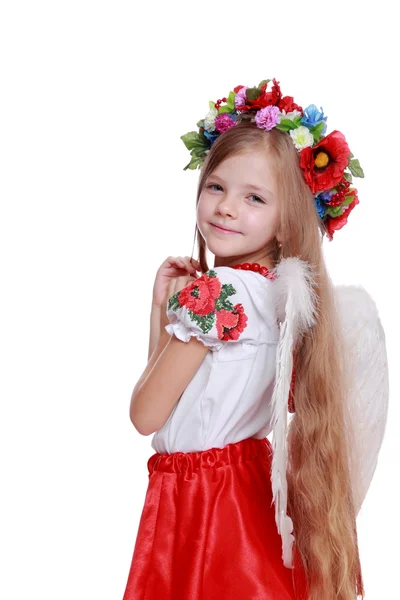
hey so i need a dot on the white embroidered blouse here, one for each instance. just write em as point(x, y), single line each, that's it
point(232, 312)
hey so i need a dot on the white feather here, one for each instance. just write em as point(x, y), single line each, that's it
point(295, 301)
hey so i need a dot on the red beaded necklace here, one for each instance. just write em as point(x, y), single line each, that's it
point(257, 268)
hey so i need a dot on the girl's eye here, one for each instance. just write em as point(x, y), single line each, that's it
point(258, 201)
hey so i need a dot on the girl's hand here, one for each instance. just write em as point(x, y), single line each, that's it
point(172, 276)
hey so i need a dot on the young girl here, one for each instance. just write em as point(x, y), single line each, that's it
point(233, 350)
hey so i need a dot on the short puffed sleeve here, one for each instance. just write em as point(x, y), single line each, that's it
point(223, 305)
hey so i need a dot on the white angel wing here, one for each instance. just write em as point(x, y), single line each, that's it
point(367, 383)
point(368, 397)
point(296, 303)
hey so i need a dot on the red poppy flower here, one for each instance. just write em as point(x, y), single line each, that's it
point(231, 323)
point(336, 223)
point(264, 99)
point(323, 164)
point(200, 296)
point(288, 105)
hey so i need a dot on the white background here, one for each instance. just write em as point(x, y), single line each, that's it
point(94, 99)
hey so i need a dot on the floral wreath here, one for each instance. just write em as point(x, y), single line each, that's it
point(326, 160)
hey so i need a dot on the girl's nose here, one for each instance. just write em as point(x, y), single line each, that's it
point(228, 207)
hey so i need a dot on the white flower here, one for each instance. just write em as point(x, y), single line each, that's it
point(301, 137)
point(290, 115)
point(209, 120)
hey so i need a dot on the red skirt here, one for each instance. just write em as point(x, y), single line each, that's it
point(208, 532)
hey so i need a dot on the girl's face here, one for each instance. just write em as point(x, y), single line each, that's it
point(240, 195)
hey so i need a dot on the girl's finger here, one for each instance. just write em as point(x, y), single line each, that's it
point(196, 264)
point(184, 262)
point(191, 264)
point(179, 262)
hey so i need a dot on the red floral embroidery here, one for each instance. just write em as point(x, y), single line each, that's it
point(207, 303)
point(201, 295)
point(230, 324)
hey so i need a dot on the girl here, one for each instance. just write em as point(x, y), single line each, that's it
point(225, 347)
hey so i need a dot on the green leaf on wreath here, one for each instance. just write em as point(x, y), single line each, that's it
point(211, 104)
point(349, 200)
point(333, 211)
point(252, 93)
point(262, 83)
point(231, 100)
point(355, 167)
point(194, 139)
point(286, 125)
point(224, 109)
point(197, 152)
point(316, 131)
point(200, 123)
point(348, 176)
point(194, 163)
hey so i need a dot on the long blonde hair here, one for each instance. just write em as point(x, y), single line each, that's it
point(320, 499)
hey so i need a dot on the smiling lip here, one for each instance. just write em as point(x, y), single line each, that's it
point(223, 230)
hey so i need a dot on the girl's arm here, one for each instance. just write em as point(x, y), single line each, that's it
point(154, 327)
point(156, 346)
point(150, 407)
point(172, 366)
point(159, 347)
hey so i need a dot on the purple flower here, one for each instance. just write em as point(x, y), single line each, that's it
point(326, 196)
point(268, 117)
point(240, 98)
point(224, 122)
